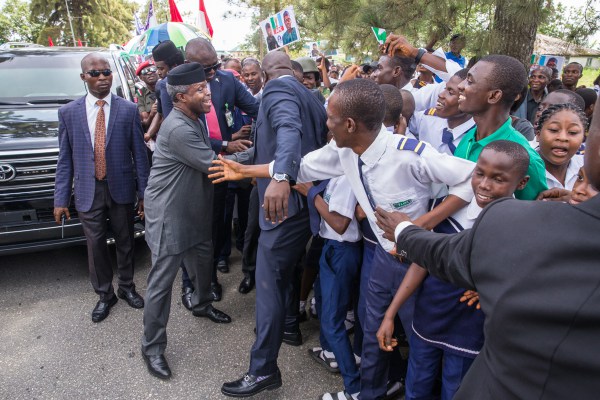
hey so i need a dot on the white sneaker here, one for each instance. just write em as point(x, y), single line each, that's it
point(340, 396)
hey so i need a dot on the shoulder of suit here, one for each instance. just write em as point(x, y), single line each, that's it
point(410, 144)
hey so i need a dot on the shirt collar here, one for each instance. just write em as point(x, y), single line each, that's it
point(473, 209)
point(375, 151)
point(91, 99)
point(500, 133)
point(462, 128)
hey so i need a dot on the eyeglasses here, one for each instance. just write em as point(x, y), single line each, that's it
point(95, 73)
point(212, 67)
point(148, 70)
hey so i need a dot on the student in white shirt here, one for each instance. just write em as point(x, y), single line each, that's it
point(560, 132)
point(384, 170)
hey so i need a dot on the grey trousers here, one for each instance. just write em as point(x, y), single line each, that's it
point(199, 264)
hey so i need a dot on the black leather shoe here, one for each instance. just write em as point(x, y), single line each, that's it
point(249, 385)
point(246, 285)
point(216, 291)
point(213, 314)
point(158, 366)
point(131, 297)
point(223, 266)
point(186, 297)
point(103, 308)
point(292, 338)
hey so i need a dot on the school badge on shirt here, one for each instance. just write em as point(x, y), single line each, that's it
point(401, 204)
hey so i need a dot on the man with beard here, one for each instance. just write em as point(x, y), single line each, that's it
point(179, 205)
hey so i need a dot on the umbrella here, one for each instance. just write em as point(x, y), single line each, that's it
point(177, 32)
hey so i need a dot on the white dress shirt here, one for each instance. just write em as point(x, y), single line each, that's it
point(398, 180)
point(429, 128)
point(91, 111)
point(571, 177)
point(339, 197)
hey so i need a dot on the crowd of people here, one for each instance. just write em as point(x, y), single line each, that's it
point(433, 206)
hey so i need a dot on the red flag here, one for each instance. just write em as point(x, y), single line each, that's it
point(50, 42)
point(203, 21)
point(79, 43)
point(175, 16)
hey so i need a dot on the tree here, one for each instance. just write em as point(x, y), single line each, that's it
point(573, 24)
point(16, 24)
point(514, 29)
point(95, 22)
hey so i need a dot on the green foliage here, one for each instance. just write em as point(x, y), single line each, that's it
point(16, 24)
point(588, 77)
point(95, 22)
point(573, 24)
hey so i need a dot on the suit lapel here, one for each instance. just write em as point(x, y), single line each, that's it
point(114, 109)
point(84, 121)
point(215, 92)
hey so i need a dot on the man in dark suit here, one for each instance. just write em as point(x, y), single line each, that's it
point(178, 202)
point(536, 268)
point(102, 147)
point(227, 92)
point(290, 124)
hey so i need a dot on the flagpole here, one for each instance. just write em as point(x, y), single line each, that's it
point(70, 23)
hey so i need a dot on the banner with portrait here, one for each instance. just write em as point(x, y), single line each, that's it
point(280, 29)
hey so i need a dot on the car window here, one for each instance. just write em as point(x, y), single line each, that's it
point(42, 76)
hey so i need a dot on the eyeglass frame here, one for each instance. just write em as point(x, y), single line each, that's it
point(95, 73)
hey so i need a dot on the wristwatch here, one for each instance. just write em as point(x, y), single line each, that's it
point(224, 145)
point(420, 54)
point(278, 177)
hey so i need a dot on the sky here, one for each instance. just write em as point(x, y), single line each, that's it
point(228, 32)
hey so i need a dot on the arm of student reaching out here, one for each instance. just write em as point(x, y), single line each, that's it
point(412, 280)
point(228, 170)
point(335, 220)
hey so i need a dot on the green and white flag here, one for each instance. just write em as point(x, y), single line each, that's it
point(380, 34)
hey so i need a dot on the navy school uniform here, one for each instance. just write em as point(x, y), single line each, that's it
point(445, 331)
point(339, 269)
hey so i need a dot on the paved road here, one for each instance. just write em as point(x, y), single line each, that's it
point(50, 349)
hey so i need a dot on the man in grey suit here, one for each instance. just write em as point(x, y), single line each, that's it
point(178, 211)
point(536, 266)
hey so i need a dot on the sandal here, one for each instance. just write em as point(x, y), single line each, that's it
point(329, 363)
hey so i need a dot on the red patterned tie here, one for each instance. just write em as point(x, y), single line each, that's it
point(100, 142)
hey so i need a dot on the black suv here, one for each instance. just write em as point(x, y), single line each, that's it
point(36, 82)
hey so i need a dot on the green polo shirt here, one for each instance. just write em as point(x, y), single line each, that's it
point(470, 148)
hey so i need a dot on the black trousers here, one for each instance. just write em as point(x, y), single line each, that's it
point(95, 227)
point(243, 195)
point(279, 250)
point(251, 235)
point(218, 224)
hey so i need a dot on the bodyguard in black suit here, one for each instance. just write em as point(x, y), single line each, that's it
point(290, 124)
point(536, 266)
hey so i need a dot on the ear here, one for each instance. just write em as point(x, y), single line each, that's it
point(495, 96)
point(181, 98)
point(397, 71)
point(82, 76)
point(523, 183)
point(350, 125)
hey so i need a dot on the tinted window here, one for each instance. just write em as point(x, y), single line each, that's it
point(42, 76)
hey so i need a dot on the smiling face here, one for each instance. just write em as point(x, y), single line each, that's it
point(384, 73)
point(538, 80)
point(560, 137)
point(309, 80)
point(98, 86)
point(494, 177)
point(197, 99)
point(447, 103)
point(475, 91)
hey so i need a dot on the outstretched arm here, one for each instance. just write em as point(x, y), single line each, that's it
point(228, 170)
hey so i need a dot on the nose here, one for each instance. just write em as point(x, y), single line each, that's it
point(484, 184)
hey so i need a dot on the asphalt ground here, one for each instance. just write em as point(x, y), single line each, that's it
point(50, 348)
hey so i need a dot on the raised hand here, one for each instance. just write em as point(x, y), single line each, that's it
point(397, 45)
